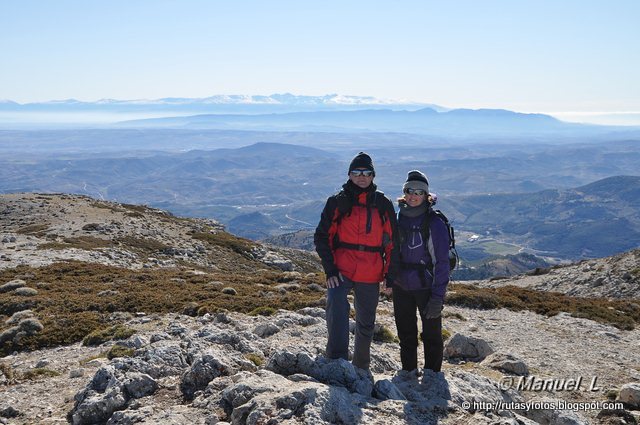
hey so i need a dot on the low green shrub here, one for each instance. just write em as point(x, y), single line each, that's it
point(383, 334)
point(226, 240)
point(255, 359)
point(38, 372)
point(100, 336)
point(119, 351)
point(623, 314)
point(263, 311)
point(445, 334)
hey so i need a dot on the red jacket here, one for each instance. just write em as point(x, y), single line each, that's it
point(355, 234)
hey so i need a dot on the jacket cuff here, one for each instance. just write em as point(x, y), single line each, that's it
point(389, 282)
point(331, 271)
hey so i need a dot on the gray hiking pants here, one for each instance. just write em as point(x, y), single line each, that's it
point(366, 302)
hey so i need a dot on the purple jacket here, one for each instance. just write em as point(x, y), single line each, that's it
point(433, 253)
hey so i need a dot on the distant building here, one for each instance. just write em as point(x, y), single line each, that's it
point(473, 238)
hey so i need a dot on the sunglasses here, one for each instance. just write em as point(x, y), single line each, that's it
point(409, 191)
point(358, 173)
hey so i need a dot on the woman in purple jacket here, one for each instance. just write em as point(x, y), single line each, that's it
point(423, 275)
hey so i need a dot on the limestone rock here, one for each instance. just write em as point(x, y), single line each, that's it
point(467, 347)
point(266, 329)
point(630, 394)
point(559, 417)
point(331, 372)
point(13, 284)
point(384, 389)
point(507, 363)
point(140, 384)
point(100, 398)
point(203, 370)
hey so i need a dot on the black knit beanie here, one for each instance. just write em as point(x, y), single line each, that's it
point(362, 160)
point(416, 180)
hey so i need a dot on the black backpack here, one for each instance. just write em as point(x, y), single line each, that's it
point(345, 203)
point(425, 230)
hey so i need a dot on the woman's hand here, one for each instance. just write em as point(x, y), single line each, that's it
point(385, 290)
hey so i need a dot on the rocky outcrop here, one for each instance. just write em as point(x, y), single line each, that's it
point(45, 228)
point(110, 390)
point(610, 277)
point(213, 363)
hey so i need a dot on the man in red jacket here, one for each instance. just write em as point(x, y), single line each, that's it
point(354, 240)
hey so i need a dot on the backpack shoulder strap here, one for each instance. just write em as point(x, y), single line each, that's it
point(425, 226)
point(381, 203)
point(344, 205)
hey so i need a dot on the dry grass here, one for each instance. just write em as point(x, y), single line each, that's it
point(226, 240)
point(70, 309)
point(37, 373)
point(119, 351)
point(100, 336)
point(255, 359)
point(263, 311)
point(623, 314)
point(82, 242)
point(142, 244)
point(383, 334)
point(34, 229)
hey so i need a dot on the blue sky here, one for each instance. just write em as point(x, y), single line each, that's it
point(562, 56)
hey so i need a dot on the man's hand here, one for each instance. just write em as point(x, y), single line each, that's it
point(334, 281)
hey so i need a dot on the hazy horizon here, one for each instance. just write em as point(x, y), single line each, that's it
point(573, 60)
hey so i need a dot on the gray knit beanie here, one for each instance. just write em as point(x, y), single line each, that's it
point(416, 180)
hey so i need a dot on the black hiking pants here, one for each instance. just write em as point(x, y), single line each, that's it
point(405, 304)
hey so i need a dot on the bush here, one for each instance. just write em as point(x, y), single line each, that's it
point(18, 316)
point(34, 229)
point(191, 309)
point(82, 242)
point(119, 351)
point(611, 395)
point(458, 316)
point(102, 355)
point(69, 309)
point(255, 359)
point(39, 372)
point(623, 314)
point(26, 292)
point(226, 240)
point(14, 284)
point(263, 311)
point(445, 334)
point(100, 336)
point(383, 334)
point(7, 371)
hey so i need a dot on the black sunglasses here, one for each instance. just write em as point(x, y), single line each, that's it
point(358, 173)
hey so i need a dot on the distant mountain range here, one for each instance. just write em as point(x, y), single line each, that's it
point(220, 104)
point(454, 123)
point(533, 196)
point(288, 112)
point(598, 219)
